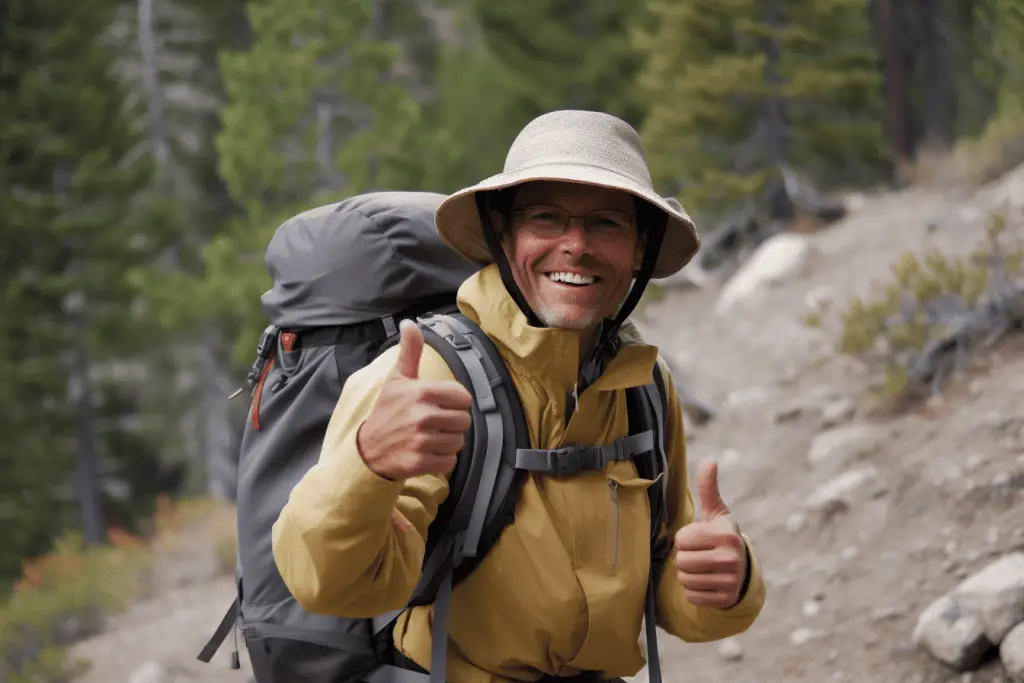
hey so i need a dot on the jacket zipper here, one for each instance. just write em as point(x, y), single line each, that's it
point(613, 527)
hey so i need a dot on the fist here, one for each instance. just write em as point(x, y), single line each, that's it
point(416, 427)
point(711, 556)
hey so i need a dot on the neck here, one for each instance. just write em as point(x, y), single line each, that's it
point(588, 342)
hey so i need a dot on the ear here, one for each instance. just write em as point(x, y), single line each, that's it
point(638, 254)
point(501, 226)
point(498, 223)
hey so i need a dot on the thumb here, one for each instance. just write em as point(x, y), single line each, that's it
point(410, 348)
point(711, 504)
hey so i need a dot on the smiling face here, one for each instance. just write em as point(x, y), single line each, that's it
point(574, 277)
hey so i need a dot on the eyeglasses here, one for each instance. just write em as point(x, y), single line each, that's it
point(552, 221)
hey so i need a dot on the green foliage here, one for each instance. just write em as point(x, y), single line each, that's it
point(558, 54)
point(732, 94)
point(932, 306)
point(77, 216)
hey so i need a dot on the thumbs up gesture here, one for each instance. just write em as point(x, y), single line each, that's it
point(711, 556)
point(416, 426)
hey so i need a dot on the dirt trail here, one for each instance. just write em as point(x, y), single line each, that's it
point(844, 592)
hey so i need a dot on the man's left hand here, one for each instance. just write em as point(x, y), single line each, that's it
point(711, 556)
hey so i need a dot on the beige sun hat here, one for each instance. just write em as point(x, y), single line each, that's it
point(585, 147)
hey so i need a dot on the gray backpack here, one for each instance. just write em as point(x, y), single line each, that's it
point(344, 275)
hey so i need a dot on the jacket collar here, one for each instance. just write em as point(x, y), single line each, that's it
point(547, 355)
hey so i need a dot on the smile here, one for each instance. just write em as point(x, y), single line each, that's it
point(572, 279)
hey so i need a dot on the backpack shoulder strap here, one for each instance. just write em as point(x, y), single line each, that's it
point(484, 486)
point(648, 407)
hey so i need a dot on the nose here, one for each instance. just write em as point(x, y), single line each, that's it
point(574, 238)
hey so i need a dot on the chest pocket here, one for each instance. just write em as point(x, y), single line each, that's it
point(629, 514)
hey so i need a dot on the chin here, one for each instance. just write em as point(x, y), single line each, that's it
point(568, 320)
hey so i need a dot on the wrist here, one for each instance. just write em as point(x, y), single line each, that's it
point(361, 450)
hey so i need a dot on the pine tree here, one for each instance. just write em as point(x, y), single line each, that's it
point(559, 54)
point(75, 222)
point(736, 88)
point(315, 112)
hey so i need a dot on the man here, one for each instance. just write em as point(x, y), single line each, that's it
point(566, 230)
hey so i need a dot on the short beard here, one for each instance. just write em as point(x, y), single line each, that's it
point(553, 319)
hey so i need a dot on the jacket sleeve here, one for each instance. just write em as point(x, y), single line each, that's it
point(676, 614)
point(349, 543)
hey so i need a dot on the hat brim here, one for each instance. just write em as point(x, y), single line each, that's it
point(458, 220)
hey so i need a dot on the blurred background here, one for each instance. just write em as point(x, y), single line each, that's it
point(152, 147)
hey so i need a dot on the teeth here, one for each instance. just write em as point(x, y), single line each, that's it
point(572, 278)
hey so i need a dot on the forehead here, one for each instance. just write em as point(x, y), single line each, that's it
point(573, 196)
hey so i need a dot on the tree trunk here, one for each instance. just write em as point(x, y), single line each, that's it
point(938, 110)
point(87, 478)
point(217, 444)
point(776, 130)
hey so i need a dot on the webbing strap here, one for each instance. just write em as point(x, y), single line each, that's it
point(654, 399)
point(651, 627)
point(386, 673)
point(382, 621)
point(439, 629)
point(576, 459)
point(219, 635)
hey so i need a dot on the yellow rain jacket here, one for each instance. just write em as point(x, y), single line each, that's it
point(563, 590)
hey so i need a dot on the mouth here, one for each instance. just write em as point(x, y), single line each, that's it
point(573, 280)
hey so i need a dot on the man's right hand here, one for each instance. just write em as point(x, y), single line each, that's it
point(416, 427)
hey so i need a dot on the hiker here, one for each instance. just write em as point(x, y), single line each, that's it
point(561, 235)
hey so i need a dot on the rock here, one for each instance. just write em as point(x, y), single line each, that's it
point(843, 443)
point(150, 672)
point(802, 636)
point(795, 522)
point(837, 412)
point(1011, 652)
point(834, 495)
point(730, 650)
point(951, 635)
point(996, 596)
point(748, 398)
point(811, 608)
point(820, 298)
point(886, 613)
point(775, 260)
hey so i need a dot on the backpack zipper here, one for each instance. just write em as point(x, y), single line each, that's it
point(613, 527)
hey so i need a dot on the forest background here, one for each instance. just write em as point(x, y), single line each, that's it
point(151, 147)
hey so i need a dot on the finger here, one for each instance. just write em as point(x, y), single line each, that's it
point(711, 503)
point(444, 420)
point(720, 533)
point(695, 536)
point(722, 583)
point(442, 444)
point(410, 350)
point(718, 561)
point(450, 395)
point(710, 599)
point(428, 463)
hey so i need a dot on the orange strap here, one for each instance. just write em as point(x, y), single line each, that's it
point(288, 340)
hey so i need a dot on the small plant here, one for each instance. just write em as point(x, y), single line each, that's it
point(64, 597)
point(918, 331)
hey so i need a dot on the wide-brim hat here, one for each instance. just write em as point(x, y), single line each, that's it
point(586, 147)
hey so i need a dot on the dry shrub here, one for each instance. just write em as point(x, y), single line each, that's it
point(920, 330)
